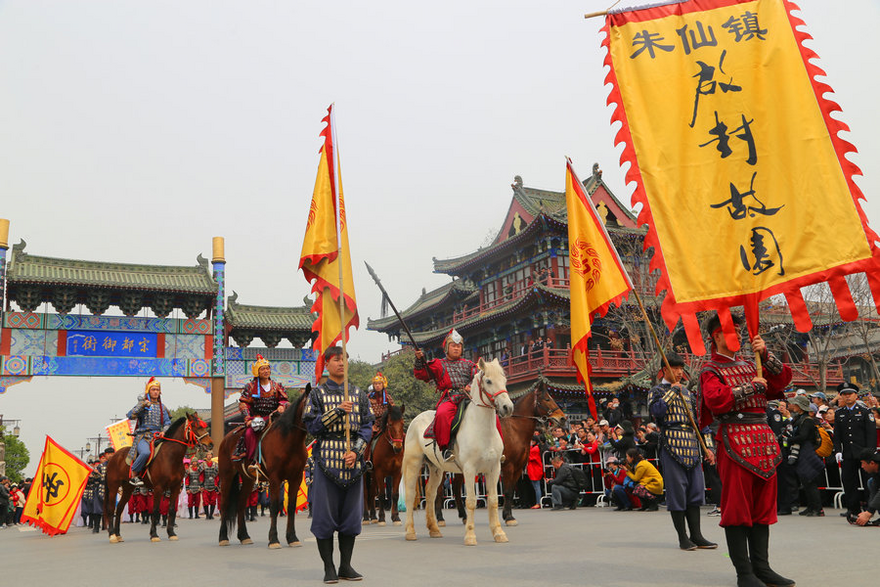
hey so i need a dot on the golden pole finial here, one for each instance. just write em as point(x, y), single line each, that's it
point(218, 251)
point(4, 233)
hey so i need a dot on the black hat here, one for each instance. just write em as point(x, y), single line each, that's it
point(713, 323)
point(869, 454)
point(847, 388)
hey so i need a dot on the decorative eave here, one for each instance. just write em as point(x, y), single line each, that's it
point(457, 289)
point(27, 269)
point(269, 323)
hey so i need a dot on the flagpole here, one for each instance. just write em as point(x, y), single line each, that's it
point(339, 203)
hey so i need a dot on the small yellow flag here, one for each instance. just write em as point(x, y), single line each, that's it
point(120, 434)
point(57, 490)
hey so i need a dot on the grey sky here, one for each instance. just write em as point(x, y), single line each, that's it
point(136, 131)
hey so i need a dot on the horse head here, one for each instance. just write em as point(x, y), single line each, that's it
point(394, 429)
point(546, 407)
point(197, 432)
point(491, 388)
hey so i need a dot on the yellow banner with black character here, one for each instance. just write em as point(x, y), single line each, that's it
point(738, 165)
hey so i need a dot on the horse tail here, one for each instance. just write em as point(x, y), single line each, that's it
point(229, 513)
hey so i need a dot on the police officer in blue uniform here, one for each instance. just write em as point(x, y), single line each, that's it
point(854, 431)
point(337, 490)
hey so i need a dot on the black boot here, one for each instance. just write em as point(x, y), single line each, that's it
point(165, 521)
point(692, 514)
point(190, 512)
point(196, 512)
point(325, 548)
point(212, 512)
point(346, 547)
point(738, 549)
point(759, 545)
point(207, 515)
point(684, 542)
point(96, 524)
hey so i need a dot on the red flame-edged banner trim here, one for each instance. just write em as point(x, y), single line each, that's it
point(672, 310)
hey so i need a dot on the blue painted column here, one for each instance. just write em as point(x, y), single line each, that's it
point(218, 365)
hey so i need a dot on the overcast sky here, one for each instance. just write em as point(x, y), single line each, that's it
point(136, 131)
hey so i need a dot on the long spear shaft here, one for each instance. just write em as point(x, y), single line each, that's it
point(666, 364)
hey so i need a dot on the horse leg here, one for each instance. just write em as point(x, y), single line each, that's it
point(292, 540)
point(395, 497)
point(274, 506)
point(380, 492)
point(457, 483)
point(247, 486)
point(439, 500)
point(116, 513)
point(508, 486)
point(225, 512)
point(435, 476)
point(492, 505)
point(470, 538)
point(172, 512)
point(154, 516)
point(411, 466)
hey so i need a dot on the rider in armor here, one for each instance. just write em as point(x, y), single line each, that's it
point(674, 407)
point(193, 481)
point(380, 401)
point(337, 490)
point(453, 376)
point(152, 418)
point(732, 392)
point(210, 491)
point(260, 398)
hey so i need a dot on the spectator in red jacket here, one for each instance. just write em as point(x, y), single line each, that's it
point(535, 470)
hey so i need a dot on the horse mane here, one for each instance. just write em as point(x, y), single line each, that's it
point(174, 427)
point(395, 411)
point(287, 422)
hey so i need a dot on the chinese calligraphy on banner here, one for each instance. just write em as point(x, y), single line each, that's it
point(89, 343)
point(738, 166)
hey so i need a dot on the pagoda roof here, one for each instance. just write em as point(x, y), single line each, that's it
point(428, 300)
point(264, 318)
point(25, 268)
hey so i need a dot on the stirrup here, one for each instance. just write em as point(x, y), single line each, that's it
point(448, 455)
point(368, 465)
point(136, 481)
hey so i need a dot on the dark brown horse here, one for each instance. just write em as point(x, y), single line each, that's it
point(387, 458)
point(283, 451)
point(165, 471)
point(528, 410)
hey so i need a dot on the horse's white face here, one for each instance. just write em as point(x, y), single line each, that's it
point(493, 387)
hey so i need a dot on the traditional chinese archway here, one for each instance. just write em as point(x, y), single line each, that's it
point(195, 348)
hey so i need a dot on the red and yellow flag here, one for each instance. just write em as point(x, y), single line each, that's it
point(597, 278)
point(120, 434)
point(302, 494)
point(737, 162)
point(325, 259)
point(57, 490)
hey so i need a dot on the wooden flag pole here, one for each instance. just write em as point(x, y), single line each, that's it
point(699, 434)
point(339, 203)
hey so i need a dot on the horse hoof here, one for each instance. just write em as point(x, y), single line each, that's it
point(374, 521)
point(411, 536)
point(398, 523)
point(436, 534)
point(224, 543)
point(470, 541)
point(173, 538)
point(296, 544)
point(275, 545)
point(365, 523)
point(512, 523)
point(381, 523)
point(247, 541)
point(114, 539)
point(501, 537)
point(442, 523)
point(155, 539)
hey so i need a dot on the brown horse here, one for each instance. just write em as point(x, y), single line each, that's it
point(283, 451)
point(165, 471)
point(387, 458)
point(528, 410)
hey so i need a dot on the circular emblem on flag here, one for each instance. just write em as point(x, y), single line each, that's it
point(584, 259)
point(55, 484)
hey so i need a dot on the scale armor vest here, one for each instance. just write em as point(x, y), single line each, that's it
point(193, 484)
point(461, 372)
point(677, 435)
point(751, 445)
point(329, 451)
point(211, 473)
point(150, 419)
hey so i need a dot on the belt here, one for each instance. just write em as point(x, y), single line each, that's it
point(743, 418)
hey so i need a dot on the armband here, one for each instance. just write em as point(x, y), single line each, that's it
point(772, 364)
point(331, 417)
point(420, 363)
point(359, 446)
point(743, 391)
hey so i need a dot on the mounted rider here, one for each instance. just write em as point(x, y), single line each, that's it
point(380, 401)
point(452, 375)
point(152, 418)
point(260, 398)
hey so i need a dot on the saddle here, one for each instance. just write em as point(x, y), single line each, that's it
point(155, 447)
point(456, 423)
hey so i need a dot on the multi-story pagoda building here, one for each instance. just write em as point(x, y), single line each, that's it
point(507, 296)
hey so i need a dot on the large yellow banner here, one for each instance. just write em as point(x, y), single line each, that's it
point(736, 158)
point(57, 490)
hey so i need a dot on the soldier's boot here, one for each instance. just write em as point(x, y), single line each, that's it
point(738, 549)
point(759, 546)
point(684, 542)
point(207, 515)
point(346, 548)
point(212, 512)
point(164, 520)
point(190, 509)
point(692, 515)
point(196, 511)
point(325, 549)
point(96, 524)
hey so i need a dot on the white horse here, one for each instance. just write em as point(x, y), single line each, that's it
point(477, 449)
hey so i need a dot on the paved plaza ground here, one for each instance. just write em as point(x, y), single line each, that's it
point(589, 546)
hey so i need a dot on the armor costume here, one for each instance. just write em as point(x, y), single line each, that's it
point(210, 490)
point(451, 377)
point(151, 420)
point(257, 401)
point(193, 481)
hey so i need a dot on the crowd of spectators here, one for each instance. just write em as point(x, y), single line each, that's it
point(12, 498)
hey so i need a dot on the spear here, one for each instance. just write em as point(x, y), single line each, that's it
point(390, 303)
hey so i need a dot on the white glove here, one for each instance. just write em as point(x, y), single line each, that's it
point(838, 457)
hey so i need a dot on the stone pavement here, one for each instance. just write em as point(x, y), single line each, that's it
point(586, 547)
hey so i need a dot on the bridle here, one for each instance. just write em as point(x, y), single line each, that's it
point(391, 440)
point(486, 399)
point(190, 438)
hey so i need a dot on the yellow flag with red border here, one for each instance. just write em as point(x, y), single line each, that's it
point(325, 257)
point(597, 278)
point(120, 434)
point(302, 494)
point(57, 490)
